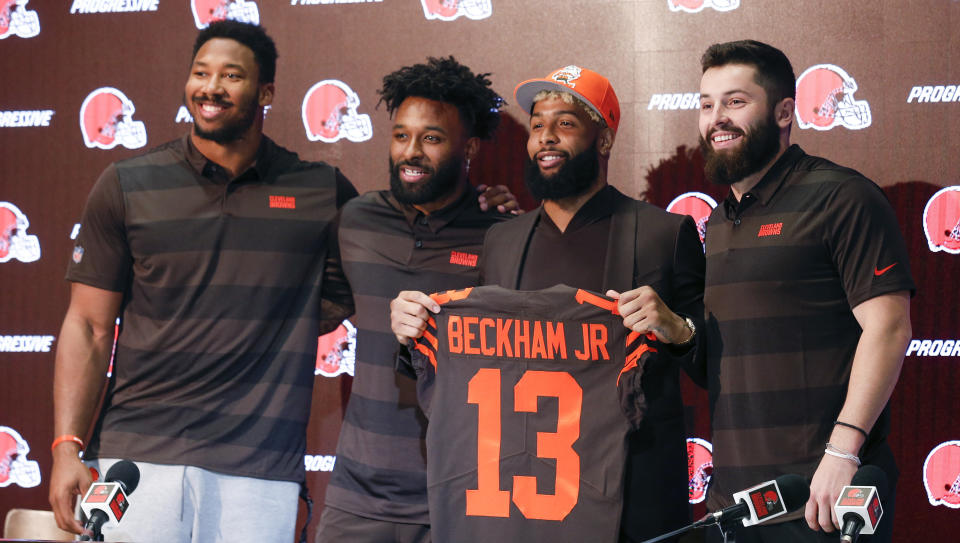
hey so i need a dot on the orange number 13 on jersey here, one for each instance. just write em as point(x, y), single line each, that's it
point(487, 500)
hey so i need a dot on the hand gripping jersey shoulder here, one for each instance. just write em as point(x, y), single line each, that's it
point(530, 397)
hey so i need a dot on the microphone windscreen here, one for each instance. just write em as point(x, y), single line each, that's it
point(872, 476)
point(126, 473)
point(794, 490)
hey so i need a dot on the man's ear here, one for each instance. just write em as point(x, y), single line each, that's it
point(784, 112)
point(605, 141)
point(266, 94)
point(471, 147)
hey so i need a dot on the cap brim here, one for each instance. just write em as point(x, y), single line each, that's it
point(525, 92)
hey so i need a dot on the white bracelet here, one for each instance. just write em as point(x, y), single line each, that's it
point(840, 453)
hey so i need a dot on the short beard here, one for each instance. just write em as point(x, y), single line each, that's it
point(441, 183)
point(230, 132)
point(572, 179)
point(729, 167)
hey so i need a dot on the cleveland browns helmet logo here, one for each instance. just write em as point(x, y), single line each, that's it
point(210, 11)
point(696, 204)
point(825, 100)
point(448, 10)
point(699, 467)
point(337, 351)
point(694, 6)
point(15, 243)
point(15, 467)
point(17, 20)
point(106, 120)
point(330, 113)
point(941, 475)
point(941, 220)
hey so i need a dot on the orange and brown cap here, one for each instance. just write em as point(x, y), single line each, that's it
point(587, 85)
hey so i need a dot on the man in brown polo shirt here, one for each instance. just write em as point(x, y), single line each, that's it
point(807, 301)
point(589, 235)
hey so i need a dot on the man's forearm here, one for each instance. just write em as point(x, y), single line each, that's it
point(81, 365)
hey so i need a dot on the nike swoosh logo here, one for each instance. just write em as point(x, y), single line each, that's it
point(878, 272)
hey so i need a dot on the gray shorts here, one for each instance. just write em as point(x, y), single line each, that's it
point(185, 504)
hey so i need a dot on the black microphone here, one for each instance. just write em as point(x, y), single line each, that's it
point(105, 503)
point(858, 506)
point(763, 502)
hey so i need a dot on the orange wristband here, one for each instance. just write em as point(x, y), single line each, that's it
point(64, 438)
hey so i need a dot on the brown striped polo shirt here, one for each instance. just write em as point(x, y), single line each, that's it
point(224, 280)
point(785, 267)
point(387, 247)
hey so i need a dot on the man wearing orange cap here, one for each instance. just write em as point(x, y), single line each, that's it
point(588, 235)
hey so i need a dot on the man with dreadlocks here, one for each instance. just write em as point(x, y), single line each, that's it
point(424, 234)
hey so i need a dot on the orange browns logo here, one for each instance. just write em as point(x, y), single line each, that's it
point(941, 475)
point(825, 100)
point(106, 120)
point(448, 10)
point(329, 113)
point(211, 11)
point(699, 467)
point(694, 6)
point(941, 220)
point(15, 467)
point(696, 204)
point(17, 20)
point(337, 351)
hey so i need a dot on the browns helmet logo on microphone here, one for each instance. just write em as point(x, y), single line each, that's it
point(695, 6)
point(699, 467)
point(211, 11)
point(337, 351)
point(941, 475)
point(106, 120)
point(448, 10)
point(825, 100)
point(15, 467)
point(941, 220)
point(17, 20)
point(329, 113)
point(15, 243)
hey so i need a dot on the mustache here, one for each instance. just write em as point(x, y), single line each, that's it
point(564, 154)
point(215, 100)
point(413, 164)
point(732, 129)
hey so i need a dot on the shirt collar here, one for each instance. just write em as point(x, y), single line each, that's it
point(769, 185)
point(208, 168)
point(440, 218)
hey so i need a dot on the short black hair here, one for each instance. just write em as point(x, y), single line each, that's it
point(446, 80)
point(252, 36)
point(773, 69)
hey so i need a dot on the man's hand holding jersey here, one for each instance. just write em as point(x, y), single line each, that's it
point(409, 312)
point(643, 311)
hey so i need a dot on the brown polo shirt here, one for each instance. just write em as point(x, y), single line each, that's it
point(785, 267)
point(387, 247)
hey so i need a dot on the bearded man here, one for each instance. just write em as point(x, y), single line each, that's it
point(586, 234)
point(807, 301)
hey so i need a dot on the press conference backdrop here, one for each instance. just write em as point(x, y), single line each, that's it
point(877, 90)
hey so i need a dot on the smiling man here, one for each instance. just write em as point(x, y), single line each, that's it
point(425, 233)
point(589, 235)
point(807, 301)
point(218, 250)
